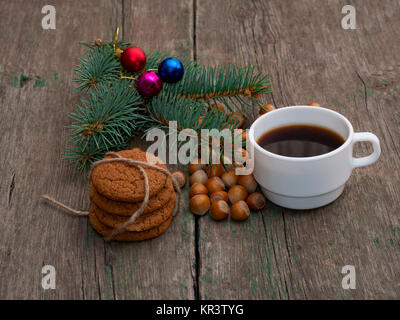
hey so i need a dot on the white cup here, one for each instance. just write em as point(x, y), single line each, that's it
point(307, 182)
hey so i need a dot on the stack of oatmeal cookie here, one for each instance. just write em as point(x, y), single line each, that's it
point(117, 190)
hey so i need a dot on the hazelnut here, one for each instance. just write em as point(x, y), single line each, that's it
point(244, 135)
point(197, 188)
point(199, 176)
point(248, 182)
point(256, 201)
point(234, 165)
point(199, 204)
point(179, 177)
point(234, 159)
point(196, 165)
point(229, 178)
point(240, 211)
point(219, 195)
point(98, 42)
point(215, 170)
point(314, 104)
point(200, 122)
point(236, 118)
point(219, 210)
point(217, 107)
point(237, 193)
point(240, 155)
point(240, 135)
point(266, 108)
point(215, 184)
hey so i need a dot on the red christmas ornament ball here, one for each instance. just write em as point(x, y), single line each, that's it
point(149, 84)
point(133, 59)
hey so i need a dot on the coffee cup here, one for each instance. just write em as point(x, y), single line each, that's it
point(307, 182)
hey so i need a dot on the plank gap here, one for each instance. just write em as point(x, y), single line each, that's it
point(194, 30)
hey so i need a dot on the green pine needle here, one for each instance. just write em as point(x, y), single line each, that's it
point(112, 111)
point(99, 66)
point(109, 117)
point(83, 156)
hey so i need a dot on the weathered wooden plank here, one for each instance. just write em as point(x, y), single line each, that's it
point(33, 233)
point(162, 268)
point(284, 254)
point(276, 254)
point(34, 114)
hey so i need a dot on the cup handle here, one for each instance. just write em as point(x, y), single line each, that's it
point(369, 137)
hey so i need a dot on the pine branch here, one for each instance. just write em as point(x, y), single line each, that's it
point(113, 111)
point(99, 67)
point(154, 58)
point(83, 156)
point(221, 84)
point(108, 118)
point(188, 113)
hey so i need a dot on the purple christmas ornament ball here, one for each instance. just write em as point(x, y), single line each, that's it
point(149, 84)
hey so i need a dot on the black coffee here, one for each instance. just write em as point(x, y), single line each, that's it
point(300, 140)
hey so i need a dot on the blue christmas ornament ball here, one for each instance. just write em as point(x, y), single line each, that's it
point(170, 70)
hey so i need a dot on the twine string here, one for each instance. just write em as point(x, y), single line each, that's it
point(139, 165)
point(62, 205)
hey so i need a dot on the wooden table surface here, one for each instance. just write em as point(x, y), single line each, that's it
point(276, 254)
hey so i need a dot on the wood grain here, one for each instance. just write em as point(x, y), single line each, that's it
point(277, 253)
point(32, 233)
point(285, 254)
point(163, 267)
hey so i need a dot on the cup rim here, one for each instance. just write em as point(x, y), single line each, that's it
point(302, 159)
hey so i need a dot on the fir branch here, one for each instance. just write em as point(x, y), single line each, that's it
point(113, 111)
point(99, 66)
point(110, 114)
point(107, 119)
point(188, 113)
point(223, 84)
point(154, 58)
point(83, 156)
